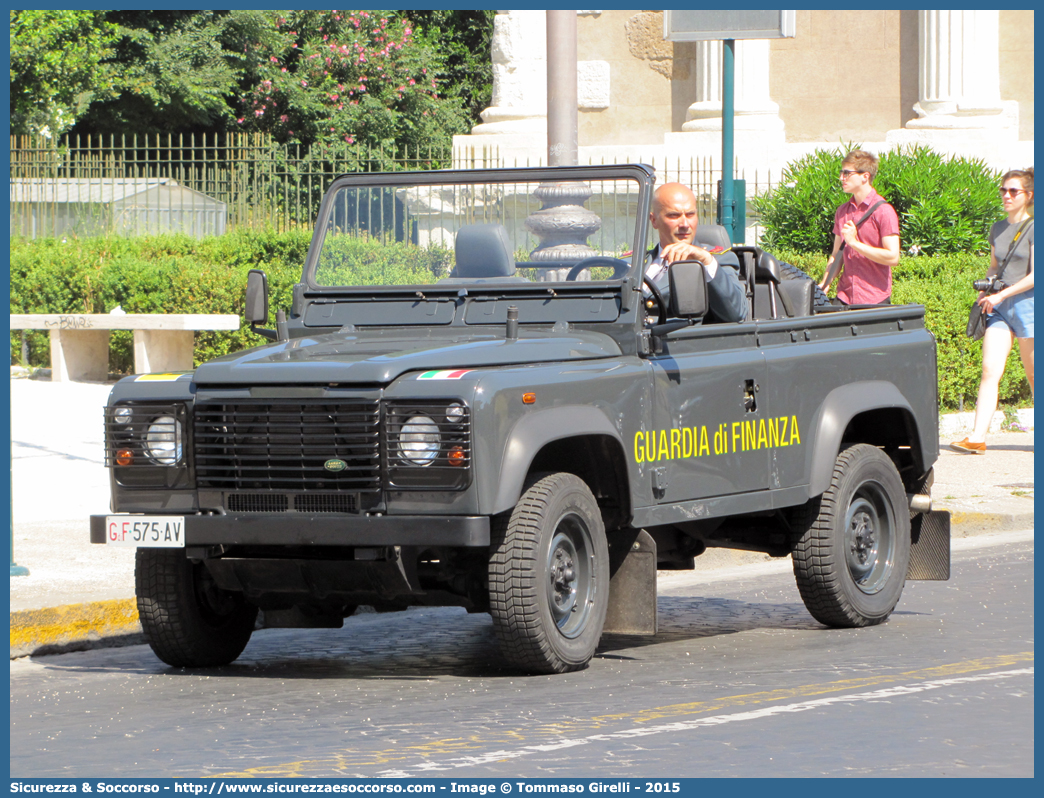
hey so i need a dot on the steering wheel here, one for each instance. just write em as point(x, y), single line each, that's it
point(661, 306)
point(620, 267)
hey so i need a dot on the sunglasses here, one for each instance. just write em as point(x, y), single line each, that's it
point(846, 172)
point(1012, 192)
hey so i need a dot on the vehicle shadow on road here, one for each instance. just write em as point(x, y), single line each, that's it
point(693, 617)
point(429, 644)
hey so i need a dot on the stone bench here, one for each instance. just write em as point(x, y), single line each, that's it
point(80, 341)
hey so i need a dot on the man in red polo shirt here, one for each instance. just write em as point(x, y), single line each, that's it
point(872, 249)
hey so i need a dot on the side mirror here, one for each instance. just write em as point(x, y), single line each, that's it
point(688, 282)
point(256, 297)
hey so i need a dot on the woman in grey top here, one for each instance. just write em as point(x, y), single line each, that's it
point(1010, 310)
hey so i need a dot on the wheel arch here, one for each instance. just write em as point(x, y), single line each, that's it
point(874, 412)
point(579, 440)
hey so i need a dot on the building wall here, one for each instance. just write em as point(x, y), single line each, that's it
point(652, 81)
point(846, 76)
point(1016, 66)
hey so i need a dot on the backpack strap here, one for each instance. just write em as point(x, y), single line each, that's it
point(1011, 247)
point(862, 219)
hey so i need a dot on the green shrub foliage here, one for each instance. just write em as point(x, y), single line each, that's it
point(943, 285)
point(945, 206)
point(177, 274)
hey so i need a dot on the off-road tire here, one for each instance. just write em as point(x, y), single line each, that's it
point(549, 576)
point(188, 621)
point(791, 272)
point(852, 545)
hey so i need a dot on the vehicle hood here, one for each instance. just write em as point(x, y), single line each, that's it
point(379, 359)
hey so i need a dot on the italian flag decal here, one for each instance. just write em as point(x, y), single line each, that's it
point(455, 374)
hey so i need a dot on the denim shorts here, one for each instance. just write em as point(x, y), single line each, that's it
point(1014, 314)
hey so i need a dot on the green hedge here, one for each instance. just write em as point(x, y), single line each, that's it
point(945, 205)
point(943, 285)
point(152, 274)
point(180, 274)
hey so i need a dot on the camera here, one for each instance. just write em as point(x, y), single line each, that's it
point(991, 285)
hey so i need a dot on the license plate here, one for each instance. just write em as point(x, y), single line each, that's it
point(147, 531)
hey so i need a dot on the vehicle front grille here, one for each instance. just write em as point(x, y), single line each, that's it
point(257, 502)
point(326, 503)
point(301, 502)
point(322, 446)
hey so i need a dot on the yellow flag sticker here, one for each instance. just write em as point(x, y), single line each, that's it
point(159, 377)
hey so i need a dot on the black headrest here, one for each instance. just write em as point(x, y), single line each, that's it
point(767, 268)
point(483, 250)
point(712, 235)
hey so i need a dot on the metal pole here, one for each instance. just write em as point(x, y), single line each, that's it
point(728, 112)
point(562, 135)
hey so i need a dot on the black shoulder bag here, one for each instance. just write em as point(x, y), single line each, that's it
point(976, 315)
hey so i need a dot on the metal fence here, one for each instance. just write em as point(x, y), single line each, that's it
point(88, 186)
point(261, 182)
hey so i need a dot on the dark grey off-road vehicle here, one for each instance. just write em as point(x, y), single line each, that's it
point(473, 400)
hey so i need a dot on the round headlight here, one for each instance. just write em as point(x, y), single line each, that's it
point(454, 413)
point(419, 440)
point(122, 415)
point(163, 440)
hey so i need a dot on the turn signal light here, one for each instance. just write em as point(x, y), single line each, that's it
point(124, 457)
point(529, 398)
point(456, 456)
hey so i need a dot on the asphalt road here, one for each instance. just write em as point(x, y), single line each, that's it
point(740, 681)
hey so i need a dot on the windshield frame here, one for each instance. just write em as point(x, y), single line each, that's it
point(641, 174)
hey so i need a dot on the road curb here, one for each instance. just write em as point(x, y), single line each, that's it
point(965, 524)
point(73, 627)
point(106, 624)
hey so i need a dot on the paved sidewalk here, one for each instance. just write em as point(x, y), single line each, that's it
point(78, 594)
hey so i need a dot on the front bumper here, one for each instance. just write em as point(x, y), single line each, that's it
point(300, 529)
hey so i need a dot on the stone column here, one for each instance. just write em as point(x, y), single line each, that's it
point(755, 109)
point(959, 74)
point(519, 75)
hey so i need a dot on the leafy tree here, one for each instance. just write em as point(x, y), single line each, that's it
point(173, 71)
point(345, 77)
point(465, 41)
point(279, 72)
point(56, 67)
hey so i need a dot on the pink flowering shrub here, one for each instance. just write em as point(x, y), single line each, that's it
point(346, 77)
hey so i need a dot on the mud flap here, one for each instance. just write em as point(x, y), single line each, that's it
point(632, 591)
point(930, 546)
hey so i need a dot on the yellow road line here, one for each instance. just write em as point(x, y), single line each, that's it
point(341, 763)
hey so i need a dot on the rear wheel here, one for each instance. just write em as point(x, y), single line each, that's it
point(851, 558)
point(549, 576)
point(188, 620)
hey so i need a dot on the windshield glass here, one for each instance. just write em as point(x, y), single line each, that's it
point(513, 230)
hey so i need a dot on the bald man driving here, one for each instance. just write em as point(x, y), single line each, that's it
point(673, 216)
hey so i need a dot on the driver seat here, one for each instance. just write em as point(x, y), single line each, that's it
point(713, 236)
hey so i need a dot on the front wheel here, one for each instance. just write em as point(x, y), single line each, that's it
point(549, 576)
point(853, 549)
point(188, 620)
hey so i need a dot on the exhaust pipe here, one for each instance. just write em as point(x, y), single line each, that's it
point(919, 502)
